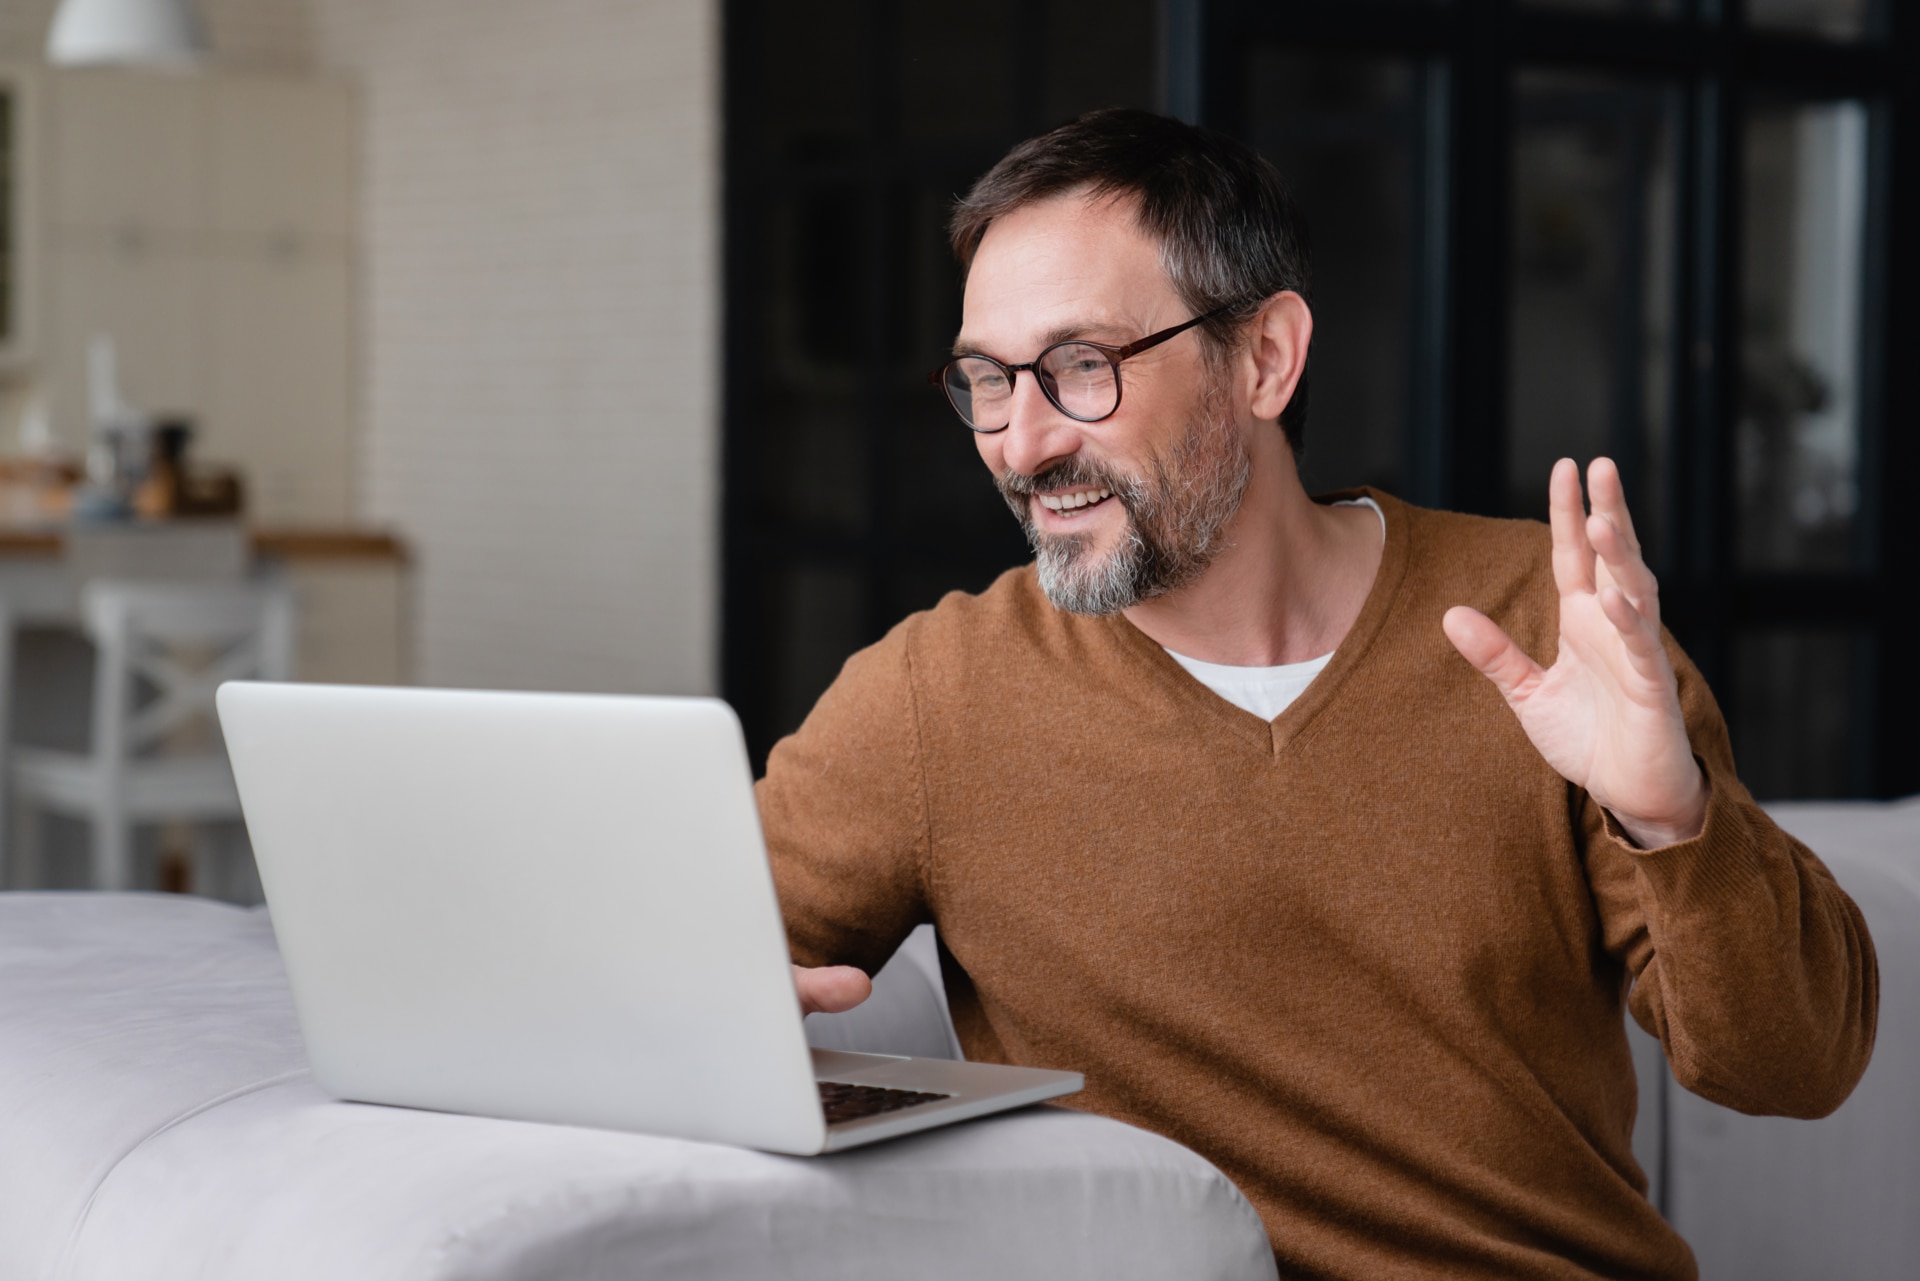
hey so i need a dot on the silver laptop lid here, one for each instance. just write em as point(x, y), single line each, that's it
point(552, 907)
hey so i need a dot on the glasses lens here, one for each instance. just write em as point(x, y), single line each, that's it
point(1081, 380)
point(980, 391)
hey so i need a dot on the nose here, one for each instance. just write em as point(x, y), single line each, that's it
point(1037, 433)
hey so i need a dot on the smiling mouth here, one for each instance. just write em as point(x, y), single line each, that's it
point(1079, 500)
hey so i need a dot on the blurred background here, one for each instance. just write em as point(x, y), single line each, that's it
point(1658, 229)
point(582, 344)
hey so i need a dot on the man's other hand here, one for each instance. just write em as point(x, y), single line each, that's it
point(1607, 714)
point(830, 989)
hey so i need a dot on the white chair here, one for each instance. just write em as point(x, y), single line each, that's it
point(147, 692)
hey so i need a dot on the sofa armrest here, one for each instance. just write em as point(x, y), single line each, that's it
point(1766, 1197)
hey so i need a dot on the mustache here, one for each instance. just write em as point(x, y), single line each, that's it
point(1018, 487)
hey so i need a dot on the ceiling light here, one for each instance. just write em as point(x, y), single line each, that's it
point(141, 33)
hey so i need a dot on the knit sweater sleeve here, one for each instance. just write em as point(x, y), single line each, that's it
point(843, 809)
point(1748, 960)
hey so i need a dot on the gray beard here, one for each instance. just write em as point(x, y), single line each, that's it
point(1176, 516)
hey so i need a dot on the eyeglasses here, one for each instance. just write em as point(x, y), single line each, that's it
point(1081, 379)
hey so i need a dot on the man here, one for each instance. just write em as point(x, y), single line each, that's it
point(1207, 805)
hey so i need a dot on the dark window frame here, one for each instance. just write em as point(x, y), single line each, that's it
point(885, 166)
point(1468, 53)
point(1471, 52)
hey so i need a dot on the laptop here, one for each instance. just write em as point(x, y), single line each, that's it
point(555, 908)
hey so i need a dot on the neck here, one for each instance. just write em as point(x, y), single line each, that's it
point(1288, 586)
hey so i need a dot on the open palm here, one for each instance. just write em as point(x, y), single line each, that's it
point(1607, 714)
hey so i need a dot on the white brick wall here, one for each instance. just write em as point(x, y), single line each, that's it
point(539, 318)
point(541, 297)
point(542, 329)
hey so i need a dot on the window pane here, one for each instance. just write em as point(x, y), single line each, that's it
point(853, 491)
point(1797, 452)
point(956, 69)
point(1798, 700)
point(942, 494)
point(1099, 53)
point(1591, 337)
point(1835, 19)
point(1344, 132)
point(810, 471)
point(929, 281)
point(814, 95)
point(817, 616)
point(945, 498)
point(809, 461)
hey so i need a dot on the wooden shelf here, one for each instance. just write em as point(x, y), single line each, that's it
point(300, 542)
point(274, 542)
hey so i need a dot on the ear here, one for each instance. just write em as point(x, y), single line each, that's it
point(1277, 342)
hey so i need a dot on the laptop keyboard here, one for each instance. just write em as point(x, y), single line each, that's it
point(843, 1102)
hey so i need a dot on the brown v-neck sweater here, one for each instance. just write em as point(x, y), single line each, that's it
point(1369, 958)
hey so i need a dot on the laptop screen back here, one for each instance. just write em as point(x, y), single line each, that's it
point(553, 907)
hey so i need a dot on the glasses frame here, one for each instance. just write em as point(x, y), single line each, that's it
point(1113, 354)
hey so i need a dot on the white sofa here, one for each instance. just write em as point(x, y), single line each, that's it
point(157, 1122)
point(1769, 1199)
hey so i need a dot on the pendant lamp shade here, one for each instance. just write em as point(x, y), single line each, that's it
point(142, 33)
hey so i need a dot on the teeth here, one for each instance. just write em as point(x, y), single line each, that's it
point(1074, 501)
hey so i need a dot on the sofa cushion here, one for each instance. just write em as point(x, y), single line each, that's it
point(157, 1122)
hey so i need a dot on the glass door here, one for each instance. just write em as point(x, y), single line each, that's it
point(1655, 229)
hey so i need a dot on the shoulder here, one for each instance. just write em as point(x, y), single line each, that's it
point(1012, 609)
point(1010, 613)
point(977, 647)
point(1503, 568)
point(1452, 548)
point(873, 709)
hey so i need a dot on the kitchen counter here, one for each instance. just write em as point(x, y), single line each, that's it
point(350, 581)
point(273, 542)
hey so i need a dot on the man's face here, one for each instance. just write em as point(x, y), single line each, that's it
point(1135, 505)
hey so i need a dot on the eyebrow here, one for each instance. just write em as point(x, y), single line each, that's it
point(1059, 333)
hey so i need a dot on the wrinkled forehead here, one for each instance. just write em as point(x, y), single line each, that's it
point(1071, 263)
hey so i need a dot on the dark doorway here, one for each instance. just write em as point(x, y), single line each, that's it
point(852, 496)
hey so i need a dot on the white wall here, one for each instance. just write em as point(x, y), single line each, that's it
point(540, 233)
point(539, 330)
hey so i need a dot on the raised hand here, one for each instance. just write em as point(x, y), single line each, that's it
point(1606, 715)
point(830, 989)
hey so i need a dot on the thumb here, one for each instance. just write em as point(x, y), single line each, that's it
point(830, 989)
point(1481, 642)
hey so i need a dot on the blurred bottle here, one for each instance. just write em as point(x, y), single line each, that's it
point(116, 453)
point(161, 492)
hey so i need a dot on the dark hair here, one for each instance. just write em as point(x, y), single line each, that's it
point(1230, 233)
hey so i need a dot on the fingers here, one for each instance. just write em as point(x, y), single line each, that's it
point(1624, 568)
point(1481, 642)
point(1605, 535)
point(1572, 552)
point(1610, 532)
point(1639, 635)
point(830, 989)
point(1609, 499)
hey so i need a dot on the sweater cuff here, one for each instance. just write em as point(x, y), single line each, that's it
point(1721, 859)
